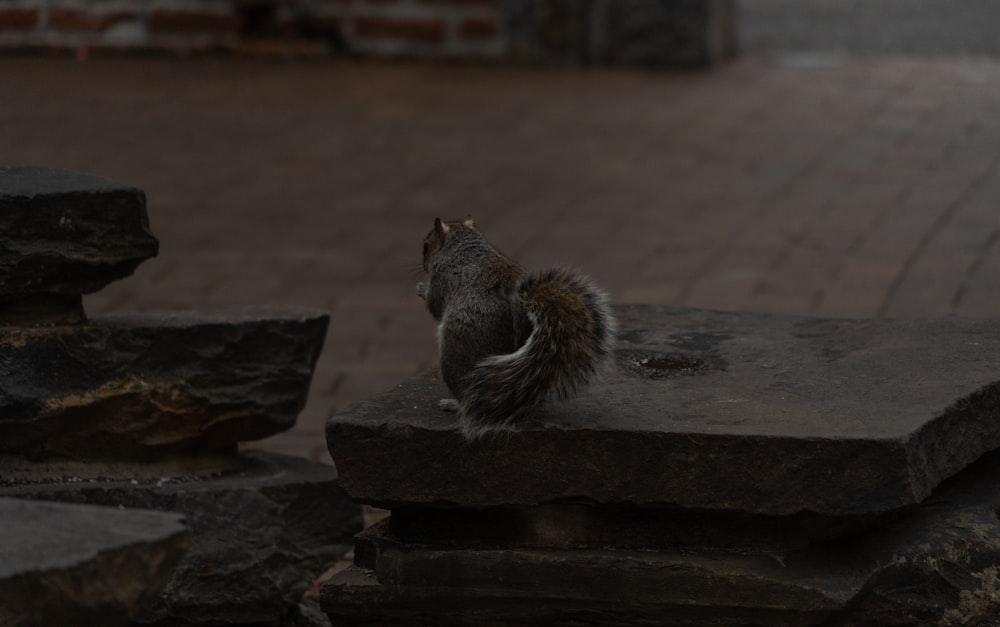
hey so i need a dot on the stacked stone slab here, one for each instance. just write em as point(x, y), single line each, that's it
point(82, 565)
point(147, 411)
point(730, 469)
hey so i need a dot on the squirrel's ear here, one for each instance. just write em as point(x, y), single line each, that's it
point(468, 222)
point(440, 228)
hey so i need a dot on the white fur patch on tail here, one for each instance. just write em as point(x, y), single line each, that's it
point(572, 332)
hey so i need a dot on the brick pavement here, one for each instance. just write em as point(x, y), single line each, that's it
point(851, 188)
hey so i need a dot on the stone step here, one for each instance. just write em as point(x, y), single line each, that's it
point(762, 415)
point(936, 564)
point(260, 532)
point(80, 565)
point(154, 385)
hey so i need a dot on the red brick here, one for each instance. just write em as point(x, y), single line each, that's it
point(192, 22)
point(18, 19)
point(75, 21)
point(423, 31)
point(478, 28)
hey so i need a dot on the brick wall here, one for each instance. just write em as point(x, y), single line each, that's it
point(532, 30)
point(462, 28)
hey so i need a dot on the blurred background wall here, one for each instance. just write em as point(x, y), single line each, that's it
point(692, 32)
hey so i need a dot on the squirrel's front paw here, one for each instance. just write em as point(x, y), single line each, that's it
point(448, 404)
point(422, 290)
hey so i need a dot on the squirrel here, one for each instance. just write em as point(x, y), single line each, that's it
point(508, 339)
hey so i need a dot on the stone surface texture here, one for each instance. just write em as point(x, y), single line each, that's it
point(77, 565)
point(767, 415)
point(145, 386)
point(67, 233)
point(259, 535)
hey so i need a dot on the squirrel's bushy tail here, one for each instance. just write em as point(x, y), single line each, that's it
point(570, 330)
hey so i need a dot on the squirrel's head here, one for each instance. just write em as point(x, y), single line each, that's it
point(438, 236)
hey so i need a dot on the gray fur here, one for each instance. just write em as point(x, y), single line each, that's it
point(509, 340)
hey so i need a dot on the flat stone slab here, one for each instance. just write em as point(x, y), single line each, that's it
point(68, 233)
point(939, 564)
point(260, 534)
point(148, 386)
point(83, 565)
point(760, 414)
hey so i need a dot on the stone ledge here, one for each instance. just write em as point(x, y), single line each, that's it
point(259, 535)
point(155, 385)
point(762, 414)
point(78, 565)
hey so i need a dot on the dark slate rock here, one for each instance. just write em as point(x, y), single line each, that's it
point(759, 414)
point(77, 565)
point(68, 233)
point(152, 385)
point(939, 563)
point(259, 535)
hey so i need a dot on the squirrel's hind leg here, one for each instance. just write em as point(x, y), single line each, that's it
point(448, 404)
